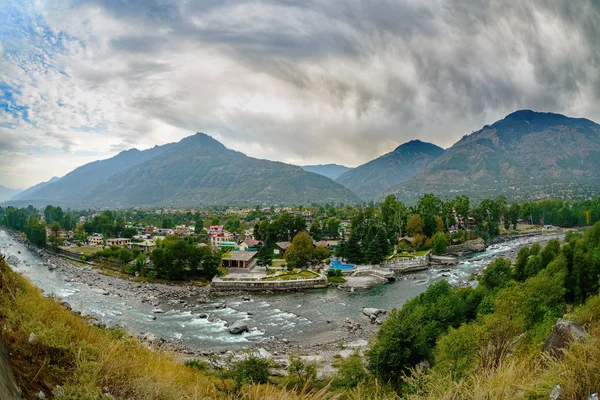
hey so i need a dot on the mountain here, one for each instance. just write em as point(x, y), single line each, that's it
point(199, 170)
point(332, 171)
point(6, 193)
point(526, 155)
point(90, 174)
point(387, 171)
point(28, 193)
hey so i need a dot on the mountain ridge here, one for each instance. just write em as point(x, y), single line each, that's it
point(331, 170)
point(370, 179)
point(525, 155)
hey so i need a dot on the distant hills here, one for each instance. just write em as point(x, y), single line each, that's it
point(371, 179)
point(526, 155)
point(30, 193)
point(332, 171)
point(7, 193)
point(196, 171)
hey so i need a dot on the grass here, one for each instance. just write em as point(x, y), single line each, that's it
point(399, 256)
point(278, 263)
point(82, 249)
point(304, 274)
point(336, 279)
point(83, 359)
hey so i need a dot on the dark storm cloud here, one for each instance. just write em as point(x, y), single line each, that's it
point(366, 75)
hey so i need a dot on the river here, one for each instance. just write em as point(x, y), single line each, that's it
point(291, 315)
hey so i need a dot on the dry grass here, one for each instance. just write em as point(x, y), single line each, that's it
point(84, 360)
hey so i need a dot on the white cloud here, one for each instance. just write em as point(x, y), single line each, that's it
point(298, 82)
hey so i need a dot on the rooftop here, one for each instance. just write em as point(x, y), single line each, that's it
point(241, 256)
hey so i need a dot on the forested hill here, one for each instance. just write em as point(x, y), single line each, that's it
point(199, 170)
point(526, 155)
point(387, 171)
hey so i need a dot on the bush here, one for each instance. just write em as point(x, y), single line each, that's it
point(350, 371)
point(440, 244)
point(251, 370)
point(303, 372)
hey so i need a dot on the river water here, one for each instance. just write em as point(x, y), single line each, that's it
point(290, 315)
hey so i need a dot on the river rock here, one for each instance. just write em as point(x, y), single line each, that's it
point(370, 312)
point(157, 311)
point(238, 327)
point(203, 316)
point(220, 305)
point(100, 291)
point(564, 332)
point(470, 246)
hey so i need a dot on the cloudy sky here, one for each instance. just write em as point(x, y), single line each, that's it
point(296, 81)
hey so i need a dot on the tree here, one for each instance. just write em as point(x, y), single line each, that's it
point(414, 225)
point(315, 230)
point(497, 274)
point(55, 228)
point(521, 262)
point(513, 212)
point(304, 372)
point(264, 257)
point(440, 243)
point(320, 253)
point(439, 224)
point(300, 251)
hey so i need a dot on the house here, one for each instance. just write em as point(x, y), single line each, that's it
point(250, 245)
point(182, 230)
point(219, 237)
point(120, 242)
point(163, 232)
point(330, 244)
point(97, 239)
point(280, 248)
point(215, 229)
point(239, 259)
point(249, 234)
point(145, 246)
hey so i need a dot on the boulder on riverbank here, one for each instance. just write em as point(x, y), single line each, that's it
point(562, 335)
point(373, 312)
point(238, 327)
point(468, 247)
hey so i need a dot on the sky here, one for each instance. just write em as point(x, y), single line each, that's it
point(303, 82)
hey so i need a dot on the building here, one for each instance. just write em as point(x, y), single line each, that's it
point(280, 248)
point(182, 230)
point(121, 242)
point(215, 229)
point(250, 245)
point(239, 259)
point(219, 237)
point(249, 234)
point(146, 246)
point(163, 232)
point(97, 239)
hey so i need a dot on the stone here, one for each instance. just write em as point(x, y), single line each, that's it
point(238, 327)
point(203, 316)
point(32, 337)
point(220, 305)
point(562, 335)
point(157, 311)
point(153, 317)
point(284, 340)
point(100, 291)
point(245, 298)
point(373, 311)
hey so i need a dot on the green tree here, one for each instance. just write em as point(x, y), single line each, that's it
point(251, 370)
point(414, 225)
point(320, 253)
point(55, 228)
point(315, 230)
point(440, 243)
point(497, 275)
point(521, 263)
point(513, 212)
point(300, 251)
point(264, 257)
point(350, 372)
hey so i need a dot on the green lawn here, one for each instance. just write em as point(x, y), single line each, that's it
point(304, 274)
point(278, 263)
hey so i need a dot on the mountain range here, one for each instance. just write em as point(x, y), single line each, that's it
point(196, 171)
point(332, 171)
point(526, 155)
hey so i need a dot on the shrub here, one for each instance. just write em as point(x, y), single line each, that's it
point(350, 371)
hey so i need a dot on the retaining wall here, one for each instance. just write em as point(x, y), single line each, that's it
point(263, 285)
point(413, 264)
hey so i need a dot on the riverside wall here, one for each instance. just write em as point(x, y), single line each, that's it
point(413, 264)
point(226, 284)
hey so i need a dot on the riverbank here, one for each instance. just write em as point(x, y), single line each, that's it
point(193, 321)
